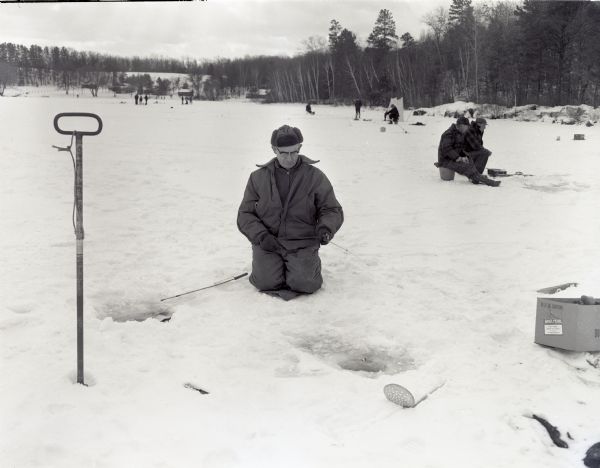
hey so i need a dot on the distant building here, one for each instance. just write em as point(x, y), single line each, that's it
point(258, 94)
point(122, 89)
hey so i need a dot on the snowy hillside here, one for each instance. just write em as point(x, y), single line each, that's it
point(430, 284)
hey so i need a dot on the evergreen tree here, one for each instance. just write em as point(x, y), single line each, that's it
point(461, 11)
point(384, 32)
point(335, 28)
point(407, 40)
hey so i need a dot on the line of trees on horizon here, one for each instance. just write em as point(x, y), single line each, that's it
point(505, 53)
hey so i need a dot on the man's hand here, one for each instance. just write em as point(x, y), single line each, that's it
point(269, 243)
point(324, 236)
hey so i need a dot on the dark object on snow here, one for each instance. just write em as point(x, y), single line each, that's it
point(503, 173)
point(193, 387)
point(206, 287)
point(589, 124)
point(309, 109)
point(579, 136)
point(555, 289)
point(592, 456)
point(496, 172)
point(553, 432)
point(419, 112)
point(420, 124)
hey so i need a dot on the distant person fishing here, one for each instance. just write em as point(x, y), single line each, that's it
point(392, 113)
point(453, 155)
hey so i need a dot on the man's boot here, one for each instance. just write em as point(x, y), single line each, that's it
point(478, 178)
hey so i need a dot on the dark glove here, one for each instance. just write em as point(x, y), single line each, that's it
point(269, 243)
point(324, 236)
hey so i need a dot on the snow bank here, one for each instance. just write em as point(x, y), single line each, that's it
point(568, 115)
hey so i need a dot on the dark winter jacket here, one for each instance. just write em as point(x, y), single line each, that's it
point(473, 138)
point(310, 206)
point(393, 113)
point(452, 145)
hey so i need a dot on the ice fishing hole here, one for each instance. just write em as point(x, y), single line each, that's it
point(362, 364)
point(365, 359)
point(124, 310)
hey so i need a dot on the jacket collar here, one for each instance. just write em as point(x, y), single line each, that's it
point(304, 160)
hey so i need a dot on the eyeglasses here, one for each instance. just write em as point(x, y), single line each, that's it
point(287, 153)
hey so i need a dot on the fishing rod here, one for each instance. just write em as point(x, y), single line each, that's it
point(206, 287)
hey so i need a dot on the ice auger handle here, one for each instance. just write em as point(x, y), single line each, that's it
point(77, 114)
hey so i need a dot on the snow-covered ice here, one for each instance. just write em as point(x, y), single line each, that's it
point(429, 283)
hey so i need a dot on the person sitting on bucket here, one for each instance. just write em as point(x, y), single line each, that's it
point(393, 114)
point(289, 209)
point(452, 155)
point(474, 144)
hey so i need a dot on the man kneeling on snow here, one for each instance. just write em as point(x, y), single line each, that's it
point(452, 154)
point(289, 209)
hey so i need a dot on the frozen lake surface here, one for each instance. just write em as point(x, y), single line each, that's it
point(431, 283)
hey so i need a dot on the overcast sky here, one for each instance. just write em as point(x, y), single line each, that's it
point(200, 29)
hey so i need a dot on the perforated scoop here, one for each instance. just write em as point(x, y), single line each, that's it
point(399, 395)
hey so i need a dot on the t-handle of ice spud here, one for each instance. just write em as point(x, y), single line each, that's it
point(77, 114)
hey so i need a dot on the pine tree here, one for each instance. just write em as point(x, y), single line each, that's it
point(407, 40)
point(384, 32)
point(461, 11)
point(335, 29)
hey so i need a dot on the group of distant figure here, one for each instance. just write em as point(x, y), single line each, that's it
point(392, 113)
point(143, 100)
point(461, 146)
point(139, 98)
